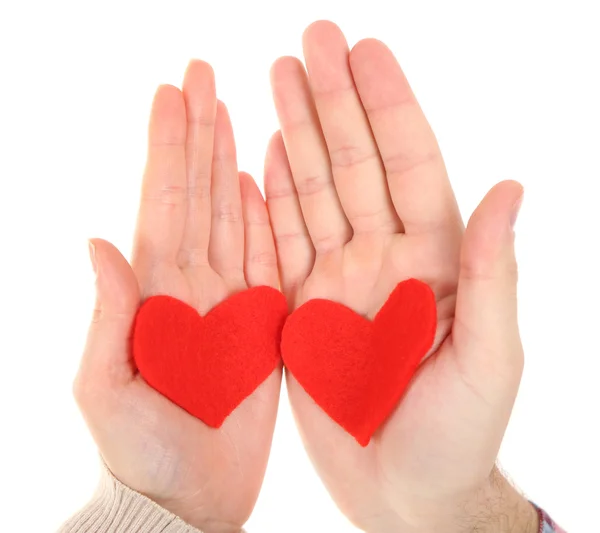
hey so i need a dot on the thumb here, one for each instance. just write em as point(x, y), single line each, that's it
point(485, 331)
point(106, 358)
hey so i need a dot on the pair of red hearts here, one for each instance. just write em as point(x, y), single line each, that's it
point(354, 369)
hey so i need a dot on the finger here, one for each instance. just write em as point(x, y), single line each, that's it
point(226, 248)
point(295, 252)
point(307, 153)
point(201, 106)
point(163, 204)
point(260, 257)
point(106, 359)
point(357, 168)
point(416, 174)
point(485, 332)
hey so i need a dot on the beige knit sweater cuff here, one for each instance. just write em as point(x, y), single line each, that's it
point(116, 508)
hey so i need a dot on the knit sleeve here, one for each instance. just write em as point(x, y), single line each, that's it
point(115, 508)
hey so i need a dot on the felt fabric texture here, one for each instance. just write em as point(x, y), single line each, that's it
point(209, 365)
point(354, 369)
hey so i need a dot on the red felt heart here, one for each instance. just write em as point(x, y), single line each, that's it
point(355, 369)
point(208, 365)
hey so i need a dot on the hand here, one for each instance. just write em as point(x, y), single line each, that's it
point(203, 234)
point(360, 200)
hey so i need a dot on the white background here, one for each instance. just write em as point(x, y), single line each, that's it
point(512, 91)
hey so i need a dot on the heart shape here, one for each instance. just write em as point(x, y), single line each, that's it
point(208, 365)
point(354, 369)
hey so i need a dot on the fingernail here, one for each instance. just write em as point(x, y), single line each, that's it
point(92, 249)
point(515, 210)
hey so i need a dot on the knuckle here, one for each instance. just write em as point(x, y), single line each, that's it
point(326, 244)
point(273, 193)
point(169, 139)
point(484, 271)
point(349, 155)
point(402, 163)
point(267, 259)
point(202, 120)
point(311, 185)
point(475, 271)
point(199, 190)
point(171, 195)
point(228, 212)
point(284, 239)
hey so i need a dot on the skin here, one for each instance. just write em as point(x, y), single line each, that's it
point(203, 234)
point(358, 200)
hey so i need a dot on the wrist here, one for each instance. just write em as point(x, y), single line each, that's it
point(495, 507)
point(196, 515)
point(498, 507)
point(116, 507)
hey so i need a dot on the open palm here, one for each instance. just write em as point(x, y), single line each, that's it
point(360, 200)
point(202, 235)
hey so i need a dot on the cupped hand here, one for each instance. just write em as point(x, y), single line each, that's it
point(360, 200)
point(203, 234)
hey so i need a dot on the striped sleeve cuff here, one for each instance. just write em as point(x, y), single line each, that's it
point(547, 525)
